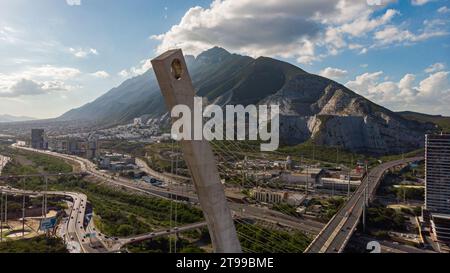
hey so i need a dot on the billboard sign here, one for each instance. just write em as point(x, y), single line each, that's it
point(48, 223)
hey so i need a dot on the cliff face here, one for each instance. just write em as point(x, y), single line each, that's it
point(315, 107)
point(311, 106)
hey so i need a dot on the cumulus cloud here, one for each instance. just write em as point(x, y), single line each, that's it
point(431, 95)
point(49, 71)
point(143, 67)
point(101, 74)
point(73, 2)
point(444, 9)
point(420, 2)
point(37, 81)
point(395, 35)
point(435, 67)
point(8, 34)
point(124, 73)
point(83, 53)
point(333, 73)
point(26, 87)
point(307, 30)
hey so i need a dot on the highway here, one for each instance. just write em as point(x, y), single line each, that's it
point(75, 232)
point(120, 243)
point(86, 166)
point(336, 234)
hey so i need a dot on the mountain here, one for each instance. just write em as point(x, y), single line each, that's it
point(443, 123)
point(9, 118)
point(311, 106)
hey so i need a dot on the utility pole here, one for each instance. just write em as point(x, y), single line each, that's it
point(314, 150)
point(1, 217)
point(337, 156)
point(366, 190)
point(307, 179)
point(6, 209)
point(350, 177)
point(244, 163)
point(23, 209)
point(176, 206)
point(348, 190)
point(171, 197)
point(364, 212)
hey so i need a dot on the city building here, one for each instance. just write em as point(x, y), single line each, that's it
point(137, 122)
point(437, 186)
point(267, 196)
point(338, 184)
point(83, 147)
point(276, 197)
point(117, 162)
point(38, 139)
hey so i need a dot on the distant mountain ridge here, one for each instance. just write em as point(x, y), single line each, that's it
point(10, 118)
point(311, 106)
point(442, 122)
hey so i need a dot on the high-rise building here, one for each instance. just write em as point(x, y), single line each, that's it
point(38, 139)
point(437, 191)
point(437, 173)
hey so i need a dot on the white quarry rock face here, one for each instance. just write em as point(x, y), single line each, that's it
point(337, 116)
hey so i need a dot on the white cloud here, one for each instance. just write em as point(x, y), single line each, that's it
point(73, 2)
point(333, 73)
point(143, 67)
point(8, 34)
point(124, 73)
point(364, 83)
point(431, 95)
point(49, 71)
point(435, 68)
point(392, 34)
point(444, 9)
point(83, 53)
point(26, 87)
point(364, 24)
point(101, 74)
point(37, 81)
point(297, 29)
point(420, 2)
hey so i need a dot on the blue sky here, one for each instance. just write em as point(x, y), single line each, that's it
point(61, 54)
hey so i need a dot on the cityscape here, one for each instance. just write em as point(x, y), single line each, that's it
point(361, 167)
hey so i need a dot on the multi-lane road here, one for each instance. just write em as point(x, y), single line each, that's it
point(75, 232)
point(330, 239)
point(307, 225)
point(336, 234)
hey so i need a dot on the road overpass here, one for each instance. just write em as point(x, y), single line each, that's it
point(86, 166)
point(336, 234)
point(76, 233)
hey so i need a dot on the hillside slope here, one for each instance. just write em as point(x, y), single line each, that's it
point(312, 106)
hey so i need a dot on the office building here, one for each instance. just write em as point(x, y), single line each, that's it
point(437, 173)
point(38, 139)
point(437, 192)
